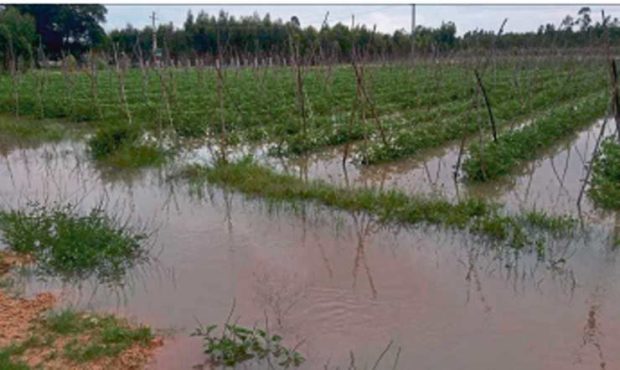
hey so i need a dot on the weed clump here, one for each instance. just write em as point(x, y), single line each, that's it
point(605, 186)
point(66, 243)
point(121, 146)
point(108, 335)
point(237, 344)
point(110, 139)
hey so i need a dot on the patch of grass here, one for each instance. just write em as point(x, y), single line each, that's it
point(15, 350)
point(69, 244)
point(121, 146)
point(87, 338)
point(65, 322)
point(474, 215)
point(137, 156)
point(605, 185)
point(108, 140)
point(554, 224)
point(496, 159)
point(31, 130)
point(108, 336)
point(6, 361)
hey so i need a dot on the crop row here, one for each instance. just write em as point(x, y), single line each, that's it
point(422, 105)
point(495, 159)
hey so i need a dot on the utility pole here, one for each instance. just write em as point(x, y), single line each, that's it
point(412, 32)
point(153, 18)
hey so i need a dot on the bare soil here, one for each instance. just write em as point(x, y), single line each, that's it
point(20, 320)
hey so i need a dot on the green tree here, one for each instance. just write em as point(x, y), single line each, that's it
point(17, 36)
point(67, 28)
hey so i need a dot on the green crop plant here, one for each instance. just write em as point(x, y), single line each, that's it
point(417, 108)
point(605, 183)
point(408, 140)
point(496, 159)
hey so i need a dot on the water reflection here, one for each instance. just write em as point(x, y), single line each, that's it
point(339, 282)
point(552, 182)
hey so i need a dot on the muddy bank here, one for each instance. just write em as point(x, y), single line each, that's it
point(26, 340)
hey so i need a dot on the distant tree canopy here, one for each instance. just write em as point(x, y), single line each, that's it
point(17, 36)
point(66, 28)
point(76, 29)
point(246, 37)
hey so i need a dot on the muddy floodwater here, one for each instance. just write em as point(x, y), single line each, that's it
point(338, 284)
point(552, 182)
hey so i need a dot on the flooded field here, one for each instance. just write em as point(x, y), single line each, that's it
point(339, 286)
point(553, 182)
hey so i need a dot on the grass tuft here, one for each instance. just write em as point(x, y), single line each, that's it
point(66, 243)
point(108, 335)
point(120, 146)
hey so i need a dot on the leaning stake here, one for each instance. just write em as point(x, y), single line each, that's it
point(487, 103)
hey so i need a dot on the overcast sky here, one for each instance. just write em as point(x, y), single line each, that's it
point(388, 18)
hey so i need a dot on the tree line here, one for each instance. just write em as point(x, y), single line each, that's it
point(36, 32)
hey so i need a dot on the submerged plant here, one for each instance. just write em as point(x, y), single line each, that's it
point(238, 344)
point(121, 146)
point(605, 186)
point(72, 245)
point(474, 215)
point(110, 139)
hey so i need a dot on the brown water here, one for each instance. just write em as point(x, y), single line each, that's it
point(338, 282)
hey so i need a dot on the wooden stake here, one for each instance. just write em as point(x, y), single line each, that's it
point(488, 105)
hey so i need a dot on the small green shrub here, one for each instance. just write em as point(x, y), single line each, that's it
point(238, 344)
point(605, 186)
point(108, 140)
point(120, 146)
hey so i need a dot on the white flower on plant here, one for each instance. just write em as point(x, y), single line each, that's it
point(52, 230)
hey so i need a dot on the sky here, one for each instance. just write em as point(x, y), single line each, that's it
point(387, 18)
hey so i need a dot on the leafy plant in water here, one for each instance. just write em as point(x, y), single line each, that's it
point(73, 245)
point(605, 186)
point(237, 344)
point(110, 139)
point(121, 146)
